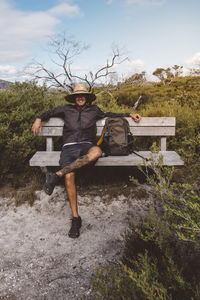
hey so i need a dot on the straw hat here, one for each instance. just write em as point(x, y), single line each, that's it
point(80, 88)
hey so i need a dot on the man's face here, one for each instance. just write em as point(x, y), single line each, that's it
point(80, 100)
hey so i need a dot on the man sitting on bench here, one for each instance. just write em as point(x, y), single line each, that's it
point(79, 136)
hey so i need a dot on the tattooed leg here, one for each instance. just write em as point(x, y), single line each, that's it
point(93, 154)
point(78, 163)
point(52, 178)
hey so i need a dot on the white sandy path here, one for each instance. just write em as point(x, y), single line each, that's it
point(38, 259)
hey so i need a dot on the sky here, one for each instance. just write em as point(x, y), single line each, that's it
point(151, 33)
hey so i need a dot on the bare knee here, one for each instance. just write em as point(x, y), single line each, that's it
point(69, 179)
point(94, 153)
point(97, 151)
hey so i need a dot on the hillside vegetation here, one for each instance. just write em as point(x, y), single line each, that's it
point(162, 254)
point(21, 103)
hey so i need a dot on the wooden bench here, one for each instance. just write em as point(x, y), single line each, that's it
point(154, 126)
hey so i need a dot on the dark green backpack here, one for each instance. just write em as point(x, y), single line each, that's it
point(117, 137)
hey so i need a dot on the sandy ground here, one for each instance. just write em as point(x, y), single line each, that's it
point(39, 261)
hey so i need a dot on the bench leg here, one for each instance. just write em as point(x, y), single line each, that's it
point(163, 143)
point(44, 169)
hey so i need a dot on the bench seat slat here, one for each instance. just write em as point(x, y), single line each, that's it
point(170, 158)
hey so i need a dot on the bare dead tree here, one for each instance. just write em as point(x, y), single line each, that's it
point(102, 72)
point(63, 51)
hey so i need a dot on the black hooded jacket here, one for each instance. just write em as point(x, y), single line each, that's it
point(79, 123)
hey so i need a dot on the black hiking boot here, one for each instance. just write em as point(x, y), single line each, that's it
point(76, 225)
point(51, 180)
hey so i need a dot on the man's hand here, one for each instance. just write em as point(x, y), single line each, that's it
point(37, 125)
point(136, 117)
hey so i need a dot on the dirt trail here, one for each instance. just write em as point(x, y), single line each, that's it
point(39, 261)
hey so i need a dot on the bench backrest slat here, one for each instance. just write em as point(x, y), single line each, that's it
point(163, 126)
point(136, 131)
point(145, 121)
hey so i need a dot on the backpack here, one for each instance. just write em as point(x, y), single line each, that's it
point(117, 137)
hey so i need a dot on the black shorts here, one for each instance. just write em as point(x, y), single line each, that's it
point(70, 153)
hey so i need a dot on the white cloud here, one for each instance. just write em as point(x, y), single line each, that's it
point(193, 60)
point(20, 29)
point(64, 9)
point(14, 55)
point(129, 67)
point(146, 2)
point(9, 70)
point(12, 73)
point(109, 2)
point(141, 2)
point(137, 63)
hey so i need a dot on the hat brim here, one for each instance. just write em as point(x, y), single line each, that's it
point(89, 97)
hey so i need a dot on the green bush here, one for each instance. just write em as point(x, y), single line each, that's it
point(107, 102)
point(20, 105)
point(161, 258)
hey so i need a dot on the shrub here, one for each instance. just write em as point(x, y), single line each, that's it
point(161, 258)
point(21, 103)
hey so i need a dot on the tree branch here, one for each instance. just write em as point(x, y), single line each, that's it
point(64, 50)
point(137, 103)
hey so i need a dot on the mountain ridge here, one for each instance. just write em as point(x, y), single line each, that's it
point(4, 83)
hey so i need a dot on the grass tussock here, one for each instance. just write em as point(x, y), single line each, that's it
point(27, 194)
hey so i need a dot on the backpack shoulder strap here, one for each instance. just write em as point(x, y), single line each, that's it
point(102, 136)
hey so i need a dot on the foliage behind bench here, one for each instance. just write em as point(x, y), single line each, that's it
point(22, 102)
